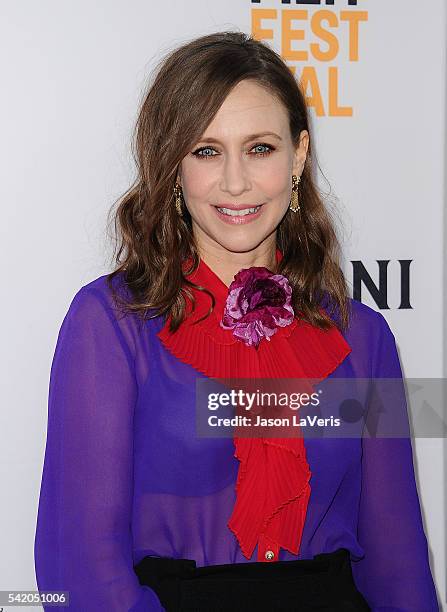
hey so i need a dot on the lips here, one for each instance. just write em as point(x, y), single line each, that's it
point(236, 217)
point(238, 206)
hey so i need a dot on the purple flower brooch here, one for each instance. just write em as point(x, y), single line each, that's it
point(258, 303)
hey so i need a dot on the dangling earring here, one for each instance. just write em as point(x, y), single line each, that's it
point(294, 204)
point(178, 199)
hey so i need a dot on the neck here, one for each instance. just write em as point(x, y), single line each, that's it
point(226, 265)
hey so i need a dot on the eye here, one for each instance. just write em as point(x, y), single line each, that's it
point(200, 153)
point(263, 144)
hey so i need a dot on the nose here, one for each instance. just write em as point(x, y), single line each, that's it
point(234, 179)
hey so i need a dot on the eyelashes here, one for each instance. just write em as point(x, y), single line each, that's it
point(198, 155)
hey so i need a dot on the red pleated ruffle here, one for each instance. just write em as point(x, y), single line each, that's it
point(272, 486)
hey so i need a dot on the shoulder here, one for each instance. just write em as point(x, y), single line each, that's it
point(92, 328)
point(106, 298)
point(364, 316)
point(373, 345)
point(98, 292)
point(94, 307)
point(101, 287)
point(370, 336)
point(363, 319)
point(366, 319)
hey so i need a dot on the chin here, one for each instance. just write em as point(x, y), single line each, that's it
point(240, 244)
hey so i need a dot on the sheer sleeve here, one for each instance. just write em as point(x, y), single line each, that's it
point(394, 575)
point(83, 540)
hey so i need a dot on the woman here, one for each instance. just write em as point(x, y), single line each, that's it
point(138, 510)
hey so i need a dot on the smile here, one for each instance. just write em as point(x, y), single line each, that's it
point(239, 217)
point(239, 213)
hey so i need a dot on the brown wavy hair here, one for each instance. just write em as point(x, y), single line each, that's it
point(152, 240)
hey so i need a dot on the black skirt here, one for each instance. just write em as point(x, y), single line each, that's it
point(324, 583)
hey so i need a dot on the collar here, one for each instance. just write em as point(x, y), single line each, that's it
point(269, 516)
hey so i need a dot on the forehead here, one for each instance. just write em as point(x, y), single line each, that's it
point(247, 109)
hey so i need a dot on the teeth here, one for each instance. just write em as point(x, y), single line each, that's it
point(239, 213)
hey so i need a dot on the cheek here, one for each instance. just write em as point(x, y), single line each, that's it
point(275, 180)
point(196, 179)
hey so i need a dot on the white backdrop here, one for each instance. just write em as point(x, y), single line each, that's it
point(72, 76)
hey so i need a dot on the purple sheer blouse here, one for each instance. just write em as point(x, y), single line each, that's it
point(126, 476)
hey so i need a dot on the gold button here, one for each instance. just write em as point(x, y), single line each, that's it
point(269, 554)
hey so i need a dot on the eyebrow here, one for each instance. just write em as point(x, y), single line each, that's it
point(250, 137)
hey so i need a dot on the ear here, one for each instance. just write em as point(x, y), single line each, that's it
point(300, 155)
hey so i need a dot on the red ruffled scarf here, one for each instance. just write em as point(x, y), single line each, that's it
point(272, 486)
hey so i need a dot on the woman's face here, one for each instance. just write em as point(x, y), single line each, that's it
point(245, 159)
